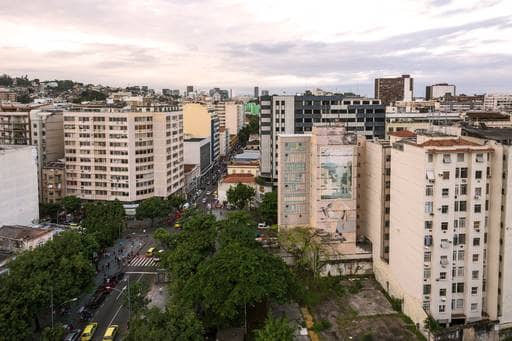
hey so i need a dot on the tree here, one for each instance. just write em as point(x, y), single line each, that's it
point(104, 221)
point(268, 208)
point(176, 201)
point(152, 208)
point(240, 195)
point(305, 245)
point(275, 329)
point(50, 211)
point(62, 266)
point(71, 204)
point(238, 227)
point(138, 300)
point(234, 278)
point(5, 80)
point(177, 322)
point(163, 236)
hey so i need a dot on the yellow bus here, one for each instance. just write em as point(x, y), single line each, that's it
point(150, 251)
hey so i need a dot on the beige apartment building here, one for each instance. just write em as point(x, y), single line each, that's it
point(436, 209)
point(201, 121)
point(53, 182)
point(318, 183)
point(125, 154)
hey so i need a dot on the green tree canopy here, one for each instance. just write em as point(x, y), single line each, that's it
point(104, 220)
point(175, 323)
point(238, 227)
point(152, 208)
point(71, 204)
point(277, 329)
point(268, 208)
point(240, 195)
point(236, 276)
point(175, 201)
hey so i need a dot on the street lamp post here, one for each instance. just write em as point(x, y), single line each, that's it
point(129, 297)
point(52, 306)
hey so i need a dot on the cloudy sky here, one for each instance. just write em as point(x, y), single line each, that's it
point(281, 45)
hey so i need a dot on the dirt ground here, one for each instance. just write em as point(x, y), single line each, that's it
point(365, 315)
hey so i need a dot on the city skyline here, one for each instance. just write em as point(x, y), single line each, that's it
point(278, 46)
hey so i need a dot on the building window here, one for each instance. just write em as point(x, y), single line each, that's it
point(476, 241)
point(446, 175)
point(442, 275)
point(479, 158)
point(474, 306)
point(428, 224)
point(445, 192)
point(426, 273)
point(444, 209)
point(478, 208)
point(428, 207)
point(426, 289)
point(442, 292)
point(460, 206)
point(447, 158)
point(474, 274)
point(426, 257)
point(444, 226)
point(429, 190)
point(458, 288)
point(478, 174)
point(442, 308)
point(430, 157)
point(475, 258)
point(460, 157)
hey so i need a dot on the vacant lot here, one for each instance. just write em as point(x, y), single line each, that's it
point(360, 312)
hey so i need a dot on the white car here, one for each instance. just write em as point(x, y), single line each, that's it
point(263, 226)
point(208, 193)
point(204, 200)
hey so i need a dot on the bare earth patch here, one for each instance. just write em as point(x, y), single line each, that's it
point(365, 315)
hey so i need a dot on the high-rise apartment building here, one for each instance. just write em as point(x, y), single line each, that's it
point(439, 90)
point(318, 181)
point(129, 155)
point(53, 182)
point(298, 115)
point(256, 92)
point(498, 102)
point(390, 90)
point(202, 121)
point(436, 209)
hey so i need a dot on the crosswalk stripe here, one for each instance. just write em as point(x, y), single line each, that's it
point(142, 262)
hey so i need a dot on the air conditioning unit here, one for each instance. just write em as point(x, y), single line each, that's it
point(477, 197)
point(464, 181)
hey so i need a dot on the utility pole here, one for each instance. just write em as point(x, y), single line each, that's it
point(51, 303)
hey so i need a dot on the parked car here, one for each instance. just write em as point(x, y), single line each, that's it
point(111, 333)
point(73, 335)
point(263, 226)
point(98, 298)
point(89, 331)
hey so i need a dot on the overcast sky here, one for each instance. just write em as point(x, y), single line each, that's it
point(281, 45)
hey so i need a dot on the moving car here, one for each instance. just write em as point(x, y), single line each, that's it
point(111, 332)
point(73, 335)
point(89, 331)
point(150, 251)
point(177, 225)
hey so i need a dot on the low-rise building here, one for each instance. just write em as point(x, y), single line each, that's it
point(7, 95)
point(231, 180)
point(197, 152)
point(53, 182)
point(16, 238)
point(238, 167)
point(19, 204)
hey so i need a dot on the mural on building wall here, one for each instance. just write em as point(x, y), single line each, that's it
point(337, 204)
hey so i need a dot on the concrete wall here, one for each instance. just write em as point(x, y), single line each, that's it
point(19, 203)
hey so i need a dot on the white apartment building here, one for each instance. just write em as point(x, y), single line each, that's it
point(439, 90)
point(436, 209)
point(125, 154)
point(234, 119)
point(19, 203)
point(498, 102)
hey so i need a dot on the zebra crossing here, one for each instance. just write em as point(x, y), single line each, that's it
point(142, 261)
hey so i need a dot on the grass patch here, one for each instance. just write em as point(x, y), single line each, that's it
point(356, 287)
point(322, 325)
point(320, 289)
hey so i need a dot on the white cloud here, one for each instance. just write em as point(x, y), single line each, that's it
point(273, 43)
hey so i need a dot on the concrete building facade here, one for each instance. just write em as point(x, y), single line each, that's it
point(299, 114)
point(390, 90)
point(499, 102)
point(197, 152)
point(125, 154)
point(19, 204)
point(439, 90)
point(53, 182)
point(202, 121)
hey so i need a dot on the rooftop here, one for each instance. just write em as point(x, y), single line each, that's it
point(503, 135)
point(447, 143)
point(19, 232)
point(239, 178)
point(487, 115)
point(403, 133)
point(194, 139)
